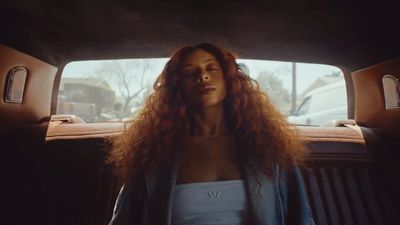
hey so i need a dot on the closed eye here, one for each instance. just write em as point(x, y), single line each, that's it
point(213, 69)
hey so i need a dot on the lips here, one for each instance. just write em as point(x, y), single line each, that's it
point(206, 89)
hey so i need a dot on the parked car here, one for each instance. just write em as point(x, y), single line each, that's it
point(54, 171)
point(322, 105)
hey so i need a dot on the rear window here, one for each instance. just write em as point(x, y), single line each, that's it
point(114, 90)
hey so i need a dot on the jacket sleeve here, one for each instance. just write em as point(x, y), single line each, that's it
point(294, 198)
point(128, 209)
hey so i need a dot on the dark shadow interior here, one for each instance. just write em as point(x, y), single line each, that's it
point(352, 34)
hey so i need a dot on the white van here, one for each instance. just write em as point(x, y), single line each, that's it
point(322, 105)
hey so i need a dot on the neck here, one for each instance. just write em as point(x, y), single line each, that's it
point(210, 122)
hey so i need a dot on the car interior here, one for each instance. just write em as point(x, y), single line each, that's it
point(54, 165)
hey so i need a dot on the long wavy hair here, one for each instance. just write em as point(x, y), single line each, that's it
point(155, 134)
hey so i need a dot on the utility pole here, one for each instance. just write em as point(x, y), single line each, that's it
point(294, 94)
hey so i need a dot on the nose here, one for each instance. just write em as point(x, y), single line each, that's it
point(204, 77)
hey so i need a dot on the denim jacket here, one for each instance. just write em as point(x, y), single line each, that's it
point(281, 200)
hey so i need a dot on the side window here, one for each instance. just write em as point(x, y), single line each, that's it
point(391, 90)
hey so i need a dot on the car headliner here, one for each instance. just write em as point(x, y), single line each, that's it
point(342, 33)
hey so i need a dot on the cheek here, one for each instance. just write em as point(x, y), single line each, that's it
point(222, 88)
point(223, 93)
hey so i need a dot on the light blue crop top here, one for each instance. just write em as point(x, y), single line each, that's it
point(206, 203)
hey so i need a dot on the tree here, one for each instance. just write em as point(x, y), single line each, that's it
point(128, 76)
point(273, 86)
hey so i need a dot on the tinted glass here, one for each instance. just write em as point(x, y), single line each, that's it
point(114, 90)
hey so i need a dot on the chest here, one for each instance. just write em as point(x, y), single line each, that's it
point(209, 160)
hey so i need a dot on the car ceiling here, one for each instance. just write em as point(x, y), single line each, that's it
point(352, 34)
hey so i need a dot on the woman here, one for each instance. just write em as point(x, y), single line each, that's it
point(208, 148)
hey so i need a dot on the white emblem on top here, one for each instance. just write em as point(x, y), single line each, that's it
point(213, 194)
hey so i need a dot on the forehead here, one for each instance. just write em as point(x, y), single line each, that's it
point(198, 56)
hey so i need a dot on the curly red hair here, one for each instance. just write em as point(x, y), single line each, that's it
point(155, 135)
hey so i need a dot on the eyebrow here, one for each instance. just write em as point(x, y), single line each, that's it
point(207, 60)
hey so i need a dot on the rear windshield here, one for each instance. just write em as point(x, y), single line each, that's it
point(115, 90)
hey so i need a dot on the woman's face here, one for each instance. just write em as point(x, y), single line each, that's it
point(202, 80)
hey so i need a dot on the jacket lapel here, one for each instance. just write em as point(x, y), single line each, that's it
point(263, 201)
point(160, 188)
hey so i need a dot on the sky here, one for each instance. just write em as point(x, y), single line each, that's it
point(306, 73)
